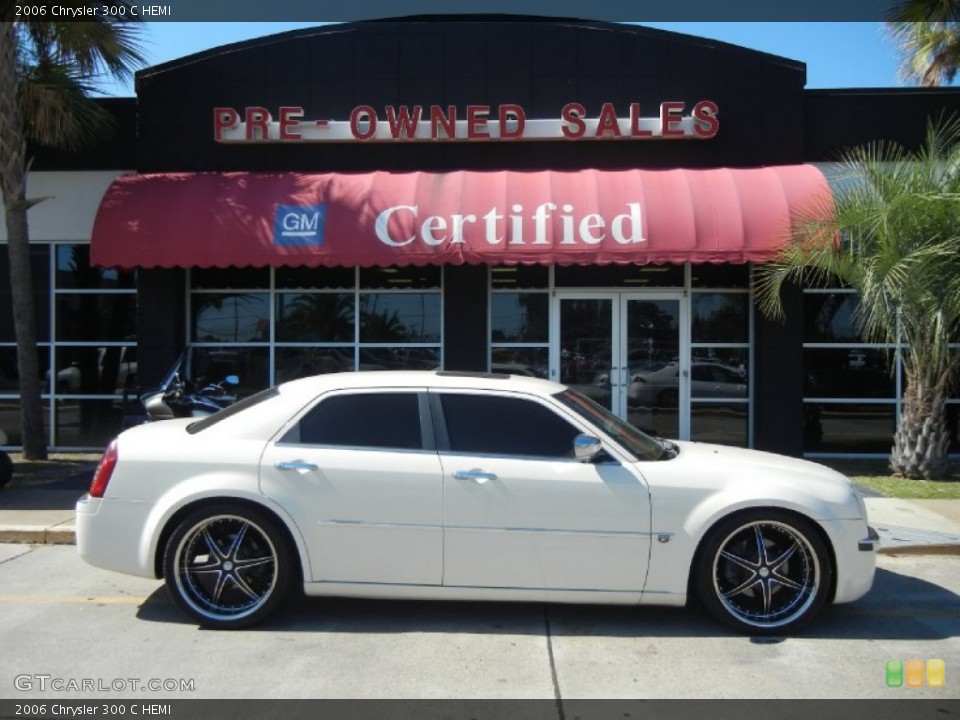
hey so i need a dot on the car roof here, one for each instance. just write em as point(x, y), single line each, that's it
point(287, 399)
point(318, 384)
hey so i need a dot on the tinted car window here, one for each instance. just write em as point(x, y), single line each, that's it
point(487, 424)
point(380, 420)
point(231, 410)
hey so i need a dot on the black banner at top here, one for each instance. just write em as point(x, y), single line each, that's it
point(339, 11)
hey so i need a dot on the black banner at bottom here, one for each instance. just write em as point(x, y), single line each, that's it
point(921, 709)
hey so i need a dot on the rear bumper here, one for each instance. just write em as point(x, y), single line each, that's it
point(110, 535)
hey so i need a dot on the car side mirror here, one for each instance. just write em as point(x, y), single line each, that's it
point(231, 380)
point(586, 448)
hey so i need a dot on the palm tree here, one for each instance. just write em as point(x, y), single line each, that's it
point(47, 70)
point(927, 34)
point(897, 214)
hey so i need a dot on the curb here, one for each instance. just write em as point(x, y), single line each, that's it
point(933, 549)
point(32, 535)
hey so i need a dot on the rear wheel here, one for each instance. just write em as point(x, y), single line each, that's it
point(764, 572)
point(228, 565)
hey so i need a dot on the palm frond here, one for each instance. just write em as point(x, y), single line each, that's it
point(60, 110)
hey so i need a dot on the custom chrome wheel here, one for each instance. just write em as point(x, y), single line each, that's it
point(764, 573)
point(227, 566)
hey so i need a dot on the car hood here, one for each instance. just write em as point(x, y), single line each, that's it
point(745, 456)
point(732, 464)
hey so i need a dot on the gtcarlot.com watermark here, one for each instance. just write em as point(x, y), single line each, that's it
point(48, 683)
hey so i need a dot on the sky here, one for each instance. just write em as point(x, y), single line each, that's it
point(838, 55)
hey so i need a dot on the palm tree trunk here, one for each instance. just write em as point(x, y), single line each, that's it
point(13, 181)
point(921, 441)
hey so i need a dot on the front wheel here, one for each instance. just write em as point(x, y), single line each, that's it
point(228, 565)
point(764, 572)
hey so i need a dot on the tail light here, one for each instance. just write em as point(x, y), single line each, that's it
point(104, 470)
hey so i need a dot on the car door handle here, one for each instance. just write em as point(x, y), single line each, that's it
point(296, 465)
point(479, 475)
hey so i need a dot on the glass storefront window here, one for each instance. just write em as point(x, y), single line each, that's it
point(314, 321)
point(40, 275)
point(87, 422)
point(230, 278)
point(250, 364)
point(533, 362)
point(400, 317)
point(719, 373)
point(723, 423)
point(709, 275)
point(315, 317)
point(855, 372)
point(230, 317)
point(96, 316)
point(9, 375)
point(318, 278)
point(953, 425)
point(519, 317)
point(720, 317)
point(848, 427)
point(74, 272)
point(95, 370)
point(380, 358)
point(828, 318)
point(520, 277)
point(10, 426)
point(297, 362)
point(625, 276)
point(405, 278)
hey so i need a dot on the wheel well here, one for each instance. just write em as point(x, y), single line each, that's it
point(691, 593)
point(178, 516)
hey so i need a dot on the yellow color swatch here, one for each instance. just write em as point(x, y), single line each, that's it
point(936, 673)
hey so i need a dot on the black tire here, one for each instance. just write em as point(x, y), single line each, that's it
point(6, 468)
point(764, 572)
point(247, 578)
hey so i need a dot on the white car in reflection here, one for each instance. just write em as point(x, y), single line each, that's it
point(466, 486)
point(660, 388)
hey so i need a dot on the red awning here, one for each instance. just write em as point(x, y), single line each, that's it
point(581, 217)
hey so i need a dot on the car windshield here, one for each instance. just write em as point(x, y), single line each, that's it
point(641, 445)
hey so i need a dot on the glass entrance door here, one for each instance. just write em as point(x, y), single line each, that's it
point(655, 378)
point(625, 351)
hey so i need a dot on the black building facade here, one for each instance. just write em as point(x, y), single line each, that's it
point(677, 346)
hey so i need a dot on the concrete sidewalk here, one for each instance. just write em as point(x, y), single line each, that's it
point(43, 514)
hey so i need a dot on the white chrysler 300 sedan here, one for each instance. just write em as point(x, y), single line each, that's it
point(466, 486)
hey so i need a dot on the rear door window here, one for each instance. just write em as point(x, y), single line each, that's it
point(368, 420)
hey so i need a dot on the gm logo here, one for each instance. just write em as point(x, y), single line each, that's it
point(299, 225)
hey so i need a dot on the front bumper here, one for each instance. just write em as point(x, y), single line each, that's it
point(854, 545)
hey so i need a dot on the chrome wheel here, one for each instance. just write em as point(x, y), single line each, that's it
point(765, 574)
point(227, 569)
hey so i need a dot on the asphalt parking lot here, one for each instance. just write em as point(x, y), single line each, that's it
point(69, 622)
